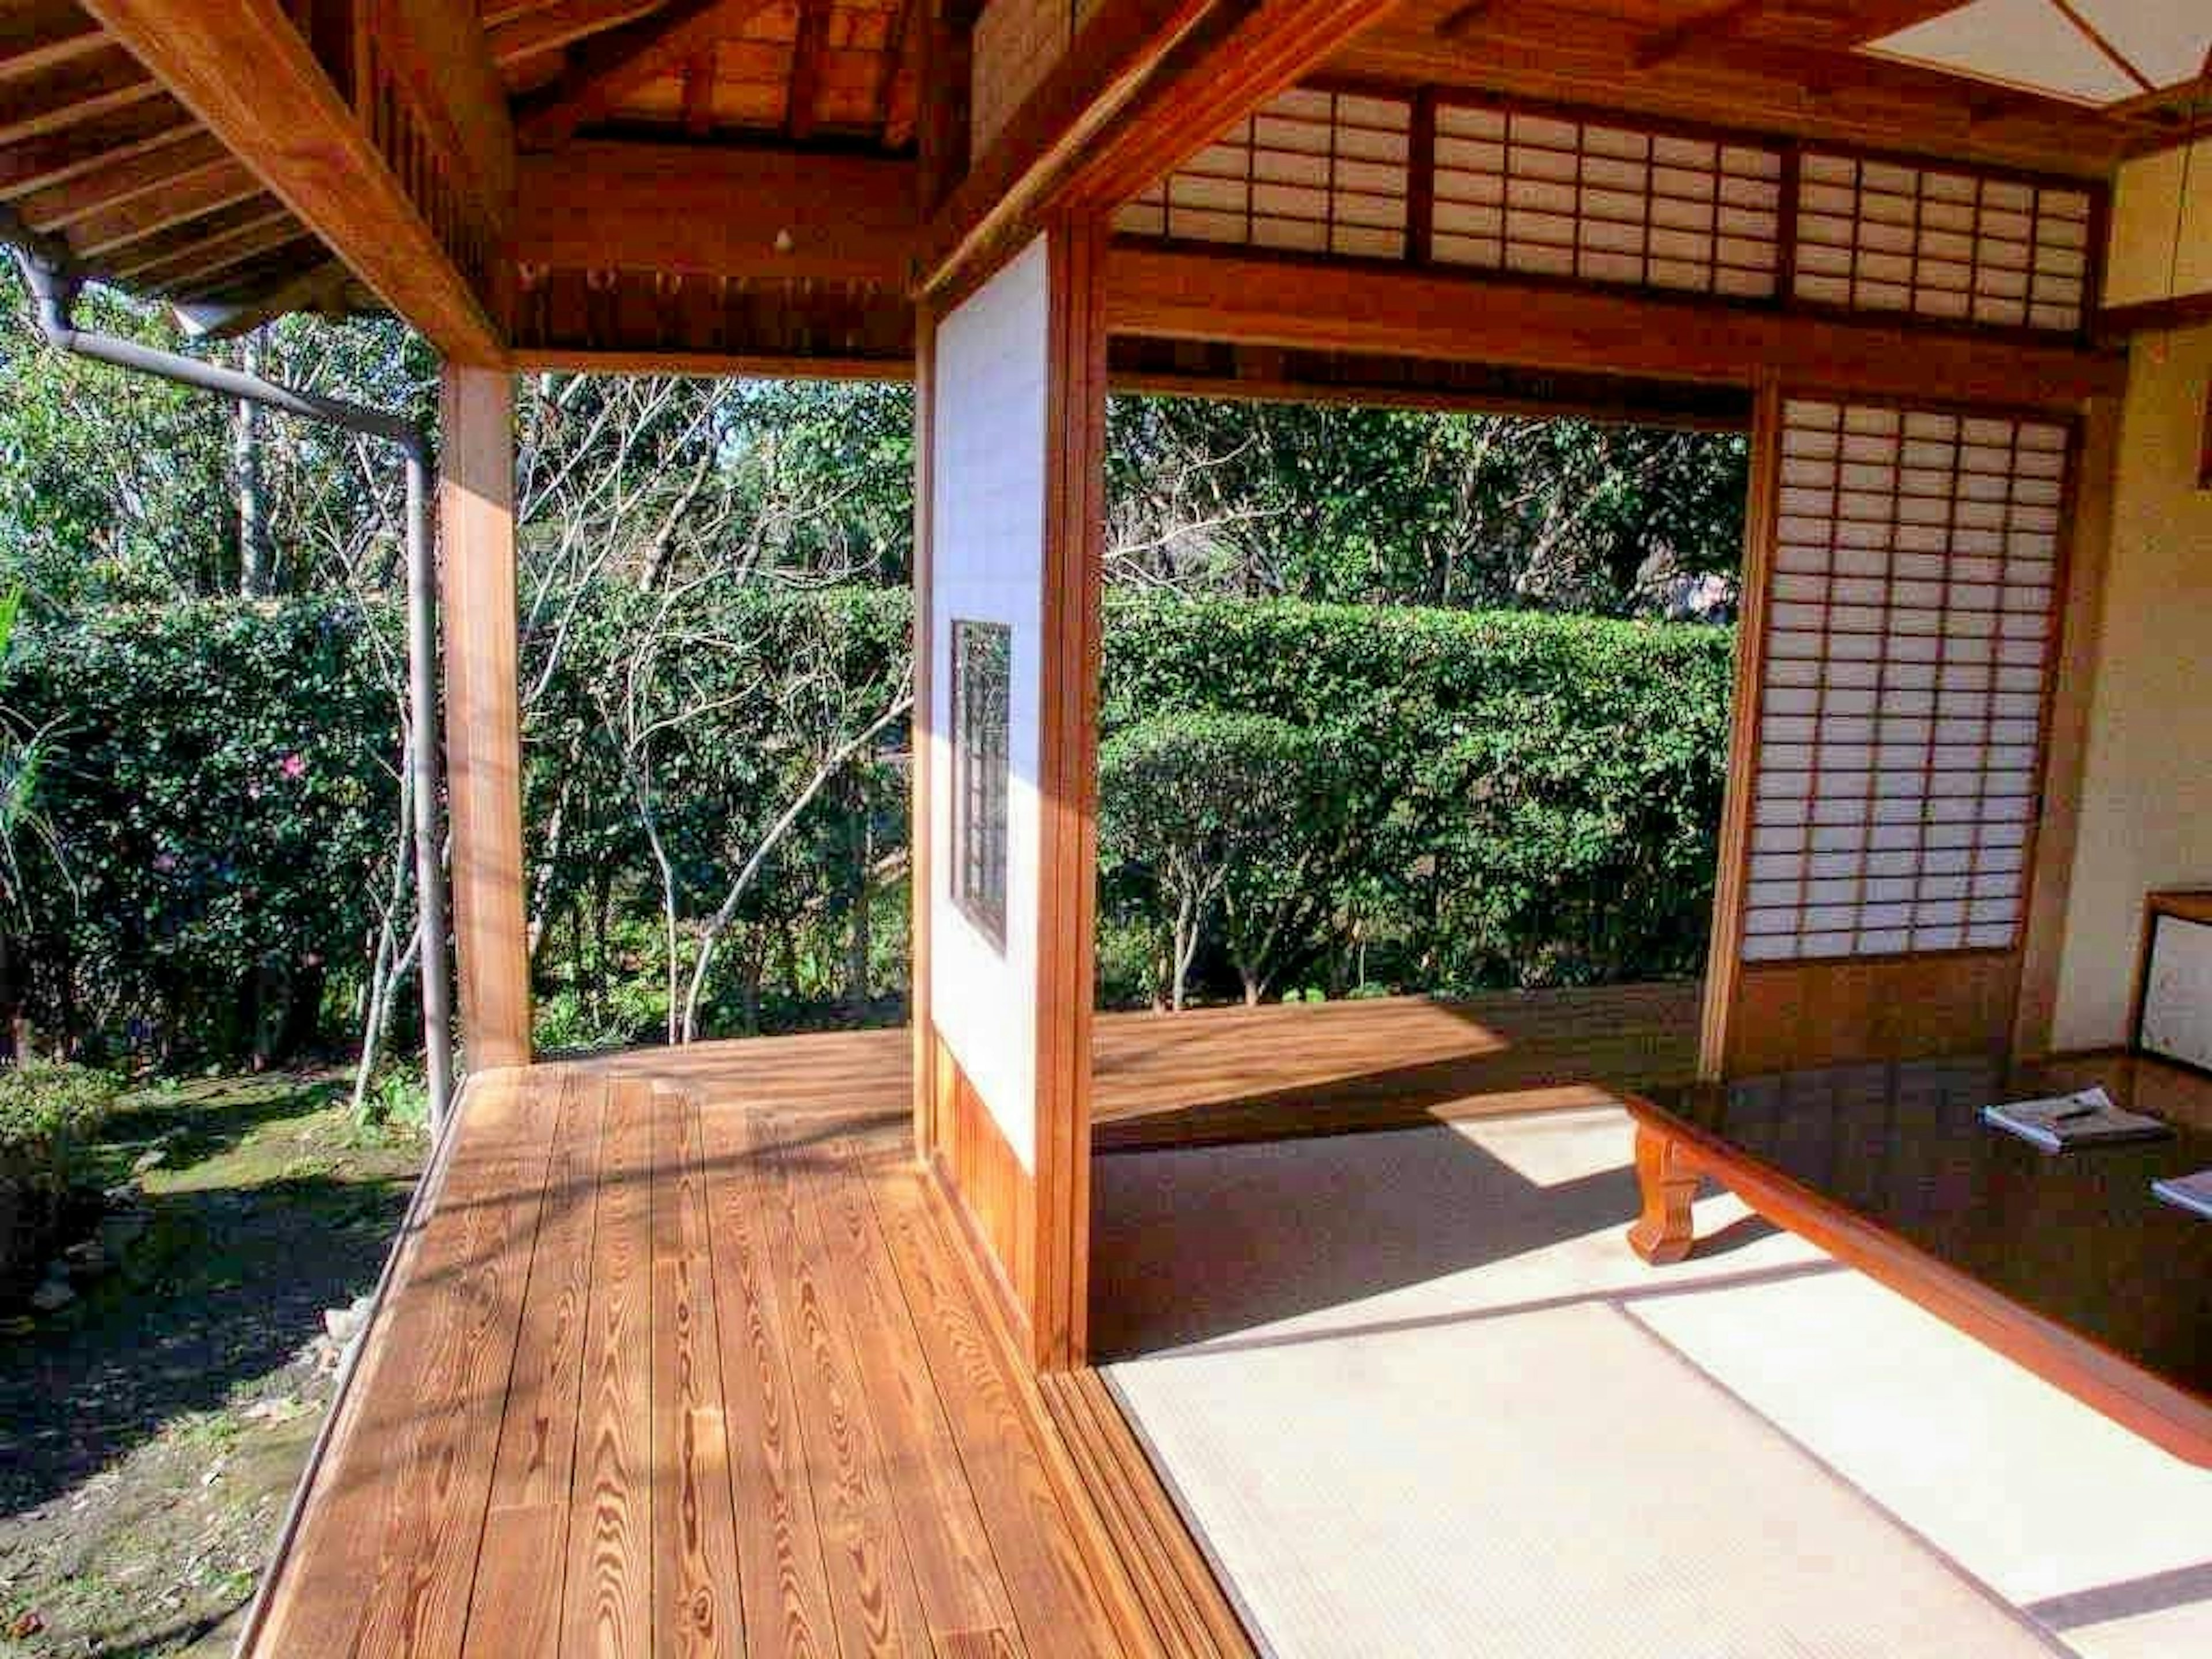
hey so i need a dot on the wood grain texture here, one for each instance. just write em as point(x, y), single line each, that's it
point(1067, 883)
point(387, 1566)
point(607, 1606)
point(248, 76)
point(483, 733)
point(1188, 1613)
point(1791, 1015)
point(997, 1197)
point(2088, 536)
point(690, 1356)
point(1344, 306)
point(1761, 520)
point(1217, 1075)
point(697, 1608)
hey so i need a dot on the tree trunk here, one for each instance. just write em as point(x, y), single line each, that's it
point(257, 575)
point(858, 939)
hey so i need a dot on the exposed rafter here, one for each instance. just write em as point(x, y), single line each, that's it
point(608, 66)
point(902, 57)
point(247, 73)
point(806, 85)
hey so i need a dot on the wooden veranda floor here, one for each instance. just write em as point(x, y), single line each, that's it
point(683, 1359)
point(682, 1354)
point(1224, 1074)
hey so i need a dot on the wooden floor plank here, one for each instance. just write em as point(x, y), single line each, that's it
point(608, 1595)
point(387, 1567)
point(696, 1606)
point(955, 1571)
point(1056, 1605)
point(873, 1599)
point(781, 1578)
point(658, 1377)
point(516, 1607)
point(1216, 1075)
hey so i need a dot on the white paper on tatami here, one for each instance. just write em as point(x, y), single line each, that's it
point(986, 554)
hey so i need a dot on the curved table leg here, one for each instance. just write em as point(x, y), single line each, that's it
point(1663, 1233)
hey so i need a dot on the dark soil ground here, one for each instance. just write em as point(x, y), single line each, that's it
point(152, 1432)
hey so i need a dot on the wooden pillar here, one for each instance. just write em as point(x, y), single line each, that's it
point(1725, 954)
point(1011, 434)
point(2088, 537)
point(920, 864)
point(1067, 891)
point(484, 739)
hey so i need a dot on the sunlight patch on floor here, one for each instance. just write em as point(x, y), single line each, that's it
point(1513, 1438)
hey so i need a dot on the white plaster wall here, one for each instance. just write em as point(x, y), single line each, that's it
point(2147, 786)
point(987, 551)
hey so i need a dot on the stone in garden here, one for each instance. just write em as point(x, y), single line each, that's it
point(86, 1257)
point(53, 1296)
point(150, 1160)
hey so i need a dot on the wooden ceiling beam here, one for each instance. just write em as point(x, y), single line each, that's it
point(92, 146)
point(1670, 43)
point(516, 36)
point(72, 93)
point(805, 89)
point(205, 189)
point(608, 66)
point(690, 210)
point(142, 169)
point(1247, 300)
point(902, 57)
point(178, 246)
point(247, 73)
point(278, 243)
point(1144, 85)
point(699, 93)
point(43, 34)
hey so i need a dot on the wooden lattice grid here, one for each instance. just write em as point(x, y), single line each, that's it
point(1911, 612)
point(1315, 171)
point(1957, 245)
point(1553, 195)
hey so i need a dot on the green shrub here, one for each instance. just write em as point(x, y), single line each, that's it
point(47, 1113)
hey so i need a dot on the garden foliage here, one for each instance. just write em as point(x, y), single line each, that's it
point(1349, 798)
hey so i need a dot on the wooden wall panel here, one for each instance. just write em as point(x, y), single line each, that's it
point(1796, 1015)
point(991, 1191)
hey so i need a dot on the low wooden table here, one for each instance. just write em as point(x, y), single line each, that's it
point(2066, 1263)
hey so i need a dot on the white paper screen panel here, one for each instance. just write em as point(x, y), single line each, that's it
point(1553, 196)
point(1958, 246)
point(1311, 172)
point(1910, 614)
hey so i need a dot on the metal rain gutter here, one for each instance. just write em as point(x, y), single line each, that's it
point(53, 287)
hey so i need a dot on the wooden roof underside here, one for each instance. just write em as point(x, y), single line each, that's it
point(98, 158)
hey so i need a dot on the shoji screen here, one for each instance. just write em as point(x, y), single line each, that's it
point(1910, 617)
point(1958, 246)
point(1311, 172)
point(1557, 197)
point(1881, 848)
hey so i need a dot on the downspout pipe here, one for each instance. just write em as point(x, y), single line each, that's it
point(53, 292)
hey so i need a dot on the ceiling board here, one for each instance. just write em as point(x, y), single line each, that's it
point(2015, 43)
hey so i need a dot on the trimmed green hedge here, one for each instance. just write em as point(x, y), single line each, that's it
point(1535, 798)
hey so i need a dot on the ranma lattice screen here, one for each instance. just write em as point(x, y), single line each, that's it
point(1909, 620)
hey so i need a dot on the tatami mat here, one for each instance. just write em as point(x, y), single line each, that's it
point(1418, 1398)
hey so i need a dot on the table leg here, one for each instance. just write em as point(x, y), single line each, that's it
point(1663, 1233)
